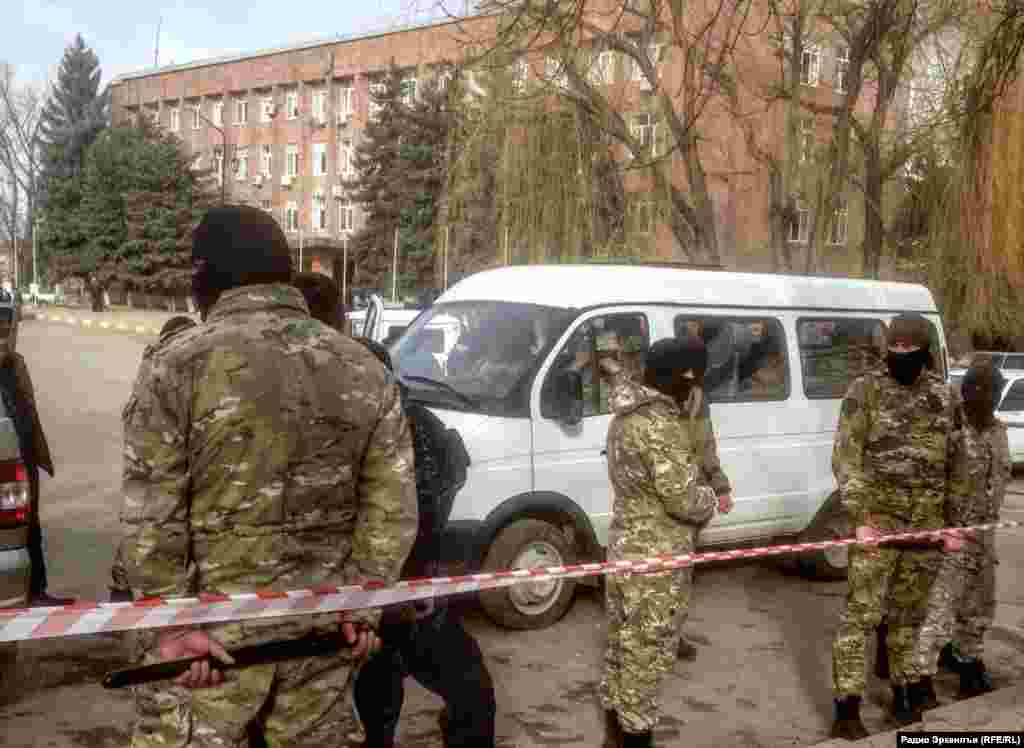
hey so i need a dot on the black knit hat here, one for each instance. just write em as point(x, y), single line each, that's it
point(671, 355)
point(237, 245)
point(910, 328)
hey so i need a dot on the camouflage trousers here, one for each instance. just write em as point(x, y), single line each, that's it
point(646, 613)
point(302, 702)
point(961, 607)
point(882, 580)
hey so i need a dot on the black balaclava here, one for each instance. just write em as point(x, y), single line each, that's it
point(233, 246)
point(911, 330)
point(981, 389)
point(667, 361)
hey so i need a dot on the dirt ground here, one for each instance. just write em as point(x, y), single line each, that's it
point(761, 679)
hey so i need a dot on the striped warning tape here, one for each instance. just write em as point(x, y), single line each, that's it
point(20, 624)
point(103, 324)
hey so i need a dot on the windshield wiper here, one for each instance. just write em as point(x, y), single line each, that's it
point(444, 386)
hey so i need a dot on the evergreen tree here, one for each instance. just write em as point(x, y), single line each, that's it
point(378, 187)
point(76, 112)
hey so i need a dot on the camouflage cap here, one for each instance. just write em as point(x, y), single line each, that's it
point(909, 329)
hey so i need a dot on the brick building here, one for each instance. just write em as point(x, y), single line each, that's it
point(290, 118)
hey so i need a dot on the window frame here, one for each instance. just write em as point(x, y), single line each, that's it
point(840, 217)
point(810, 74)
point(346, 209)
point(267, 160)
point(803, 227)
point(321, 164)
point(816, 319)
point(291, 211)
point(174, 121)
point(291, 104)
point(1006, 396)
point(241, 159)
point(218, 113)
point(266, 105)
point(292, 157)
point(745, 319)
point(241, 112)
point(319, 211)
point(196, 119)
point(842, 68)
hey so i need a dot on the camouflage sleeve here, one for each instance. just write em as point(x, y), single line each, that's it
point(386, 524)
point(155, 514)
point(1002, 470)
point(709, 459)
point(848, 452)
point(674, 472)
point(958, 490)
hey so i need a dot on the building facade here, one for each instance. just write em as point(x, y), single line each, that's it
point(282, 124)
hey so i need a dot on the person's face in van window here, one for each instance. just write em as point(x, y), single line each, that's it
point(757, 330)
point(694, 327)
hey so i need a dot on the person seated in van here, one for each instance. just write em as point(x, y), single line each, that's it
point(707, 330)
point(505, 357)
point(763, 370)
point(20, 403)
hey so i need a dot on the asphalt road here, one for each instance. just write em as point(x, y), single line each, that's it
point(762, 677)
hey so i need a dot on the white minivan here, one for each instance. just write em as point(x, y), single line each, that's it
point(514, 377)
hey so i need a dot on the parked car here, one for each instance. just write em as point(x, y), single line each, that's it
point(1011, 412)
point(498, 357)
point(1007, 361)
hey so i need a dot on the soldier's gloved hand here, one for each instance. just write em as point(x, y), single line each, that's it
point(195, 643)
point(866, 533)
point(952, 543)
point(725, 503)
point(364, 641)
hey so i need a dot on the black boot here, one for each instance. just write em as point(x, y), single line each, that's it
point(687, 651)
point(882, 651)
point(848, 725)
point(922, 695)
point(902, 711)
point(637, 740)
point(612, 729)
point(951, 660)
point(974, 679)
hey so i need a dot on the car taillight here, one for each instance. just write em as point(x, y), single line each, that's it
point(14, 494)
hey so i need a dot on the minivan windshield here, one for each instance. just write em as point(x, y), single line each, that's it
point(474, 353)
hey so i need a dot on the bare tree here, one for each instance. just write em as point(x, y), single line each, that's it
point(681, 57)
point(20, 159)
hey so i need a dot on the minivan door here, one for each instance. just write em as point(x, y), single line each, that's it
point(373, 326)
point(571, 460)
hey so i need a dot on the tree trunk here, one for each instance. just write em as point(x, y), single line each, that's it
point(97, 295)
point(874, 230)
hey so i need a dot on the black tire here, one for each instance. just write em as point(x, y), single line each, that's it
point(511, 607)
point(830, 523)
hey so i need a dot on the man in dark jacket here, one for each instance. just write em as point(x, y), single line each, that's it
point(20, 402)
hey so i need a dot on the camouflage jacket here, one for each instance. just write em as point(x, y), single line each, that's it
point(264, 450)
point(660, 495)
point(896, 452)
point(702, 434)
point(985, 473)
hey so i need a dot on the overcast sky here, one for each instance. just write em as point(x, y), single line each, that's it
point(123, 33)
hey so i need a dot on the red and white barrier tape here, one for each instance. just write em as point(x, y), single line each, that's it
point(22, 624)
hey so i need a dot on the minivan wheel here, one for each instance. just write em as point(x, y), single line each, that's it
point(524, 544)
point(830, 524)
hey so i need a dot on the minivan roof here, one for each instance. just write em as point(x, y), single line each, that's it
point(584, 286)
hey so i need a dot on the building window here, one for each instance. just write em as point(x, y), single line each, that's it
point(346, 161)
point(645, 131)
point(520, 73)
point(346, 217)
point(810, 65)
point(175, 119)
point(806, 139)
point(218, 164)
point(319, 212)
point(265, 205)
point(291, 217)
point(642, 217)
point(218, 113)
point(346, 103)
point(602, 70)
point(242, 163)
point(196, 120)
point(197, 162)
point(409, 91)
point(842, 68)
point(840, 222)
point(319, 159)
point(800, 229)
point(292, 161)
point(266, 160)
point(266, 108)
point(443, 79)
point(320, 106)
point(291, 104)
point(241, 112)
point(377, 91)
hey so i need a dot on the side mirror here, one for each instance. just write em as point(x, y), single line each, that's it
point(568, 398)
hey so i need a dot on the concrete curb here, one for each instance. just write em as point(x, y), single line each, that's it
point(999, 711)
point(103, 325)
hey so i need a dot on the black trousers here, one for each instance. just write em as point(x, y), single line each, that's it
point(441, 655)
point(37, 579)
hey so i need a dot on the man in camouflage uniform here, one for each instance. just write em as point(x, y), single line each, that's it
point(263, 450)
point(894, 455)
point(660, 499)
point(964, 592)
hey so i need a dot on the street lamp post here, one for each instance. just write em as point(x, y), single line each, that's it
point(223, 157)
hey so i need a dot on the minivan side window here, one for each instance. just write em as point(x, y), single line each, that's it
point(1014, 400)
point(747, 358)
point(834, 352)
point(632, 331)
